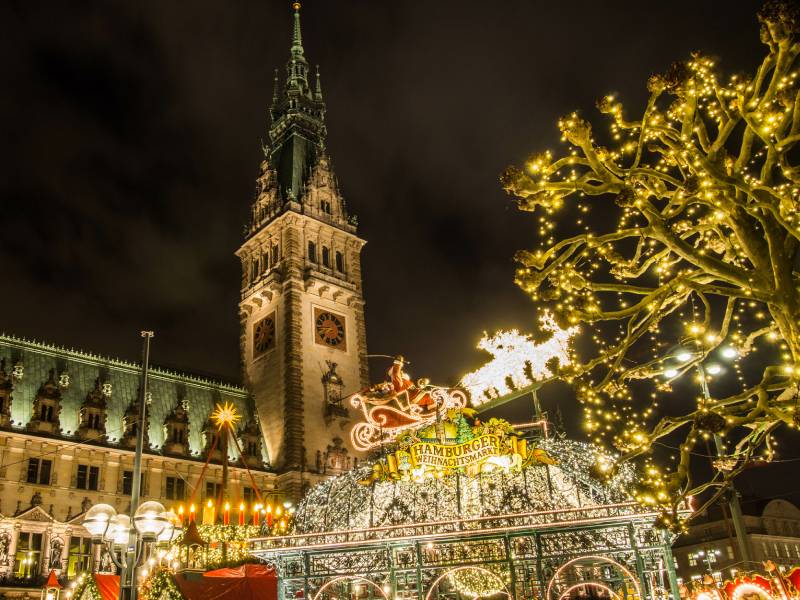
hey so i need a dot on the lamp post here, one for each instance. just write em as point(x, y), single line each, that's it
point(728, 352)
point(126, 538)
point(708, 556)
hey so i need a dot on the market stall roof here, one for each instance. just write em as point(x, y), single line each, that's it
point(247, 582)
point(108, 586)
point(52, 581)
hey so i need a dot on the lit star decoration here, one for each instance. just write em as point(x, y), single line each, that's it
point(518, 360)
point(225, 415)
point(692, 257)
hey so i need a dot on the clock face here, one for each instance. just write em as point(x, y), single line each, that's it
point(264, 335)
point(329, 329)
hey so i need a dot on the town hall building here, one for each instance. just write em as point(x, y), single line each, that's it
point(68, 419)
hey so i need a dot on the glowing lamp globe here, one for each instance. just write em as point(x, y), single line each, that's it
point(97, 519)
point(119, 530)
point(150, 519)
point(169, 530)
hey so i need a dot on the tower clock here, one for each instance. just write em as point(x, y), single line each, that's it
point(302, 305)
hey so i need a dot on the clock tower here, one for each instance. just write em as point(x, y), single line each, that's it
point(303, 337)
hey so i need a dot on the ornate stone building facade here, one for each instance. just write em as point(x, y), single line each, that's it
point(67, 436)
point(68, 420)
point(303, 340)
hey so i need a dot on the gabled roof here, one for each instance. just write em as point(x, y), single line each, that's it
point(35, 513)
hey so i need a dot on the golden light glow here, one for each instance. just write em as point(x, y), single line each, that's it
point(225, 415)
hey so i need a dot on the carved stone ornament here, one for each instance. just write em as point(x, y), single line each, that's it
point(64, 380)
point(18, 372)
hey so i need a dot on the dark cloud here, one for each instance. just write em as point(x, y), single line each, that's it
point(132, 133)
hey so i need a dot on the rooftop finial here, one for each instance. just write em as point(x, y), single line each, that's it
point(318, 91)
point(297, 37)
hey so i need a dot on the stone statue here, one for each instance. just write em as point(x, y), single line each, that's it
point(56, 551)
point(5, 543)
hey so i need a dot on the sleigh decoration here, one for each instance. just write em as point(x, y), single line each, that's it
point(396, 405)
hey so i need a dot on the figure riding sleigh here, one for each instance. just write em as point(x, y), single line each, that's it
point(398, 404)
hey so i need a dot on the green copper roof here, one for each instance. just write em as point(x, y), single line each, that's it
point(77, 371)
point(297, 131)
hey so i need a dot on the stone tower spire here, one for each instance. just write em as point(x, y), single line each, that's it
point(302, 301)
point(297, 129)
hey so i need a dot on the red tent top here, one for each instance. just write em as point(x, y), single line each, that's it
point(248, 582)
point(52, 581)
point(108, 586)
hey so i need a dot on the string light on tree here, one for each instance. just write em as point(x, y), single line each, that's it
point(701, 203)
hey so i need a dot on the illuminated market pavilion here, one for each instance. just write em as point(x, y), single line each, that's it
point(455, 508)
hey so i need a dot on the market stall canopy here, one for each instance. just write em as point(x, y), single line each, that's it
point(108, 586)
point(247, 582)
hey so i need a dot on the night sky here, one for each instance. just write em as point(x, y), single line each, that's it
point(132, 137)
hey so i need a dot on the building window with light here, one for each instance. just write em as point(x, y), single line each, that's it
point(80, 554)
point(87, 477)
point(39, 471)
point(213, 490)
point(175, 488)
point(46, 414)
point(730, 552)
point(264, 261)
point(340, 262)
point(127, 483)
point(692, 560)
point(29, 552)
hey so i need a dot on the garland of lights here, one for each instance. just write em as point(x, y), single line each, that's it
point(85, 584)
point(478, 583)
point(345, 503)
point(160, 586)
point(700, 200)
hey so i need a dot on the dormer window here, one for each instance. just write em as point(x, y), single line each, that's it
point(47, 414)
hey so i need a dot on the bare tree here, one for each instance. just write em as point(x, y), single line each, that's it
point(699, 255)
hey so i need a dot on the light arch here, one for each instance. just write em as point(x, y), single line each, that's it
point(495, 576)
point(596, 584)
point(603, 559)
point(750, 588)
point(354, 578)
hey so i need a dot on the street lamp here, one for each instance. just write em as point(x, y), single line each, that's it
point(683, 356)
point(708, 556)
point(127, 540)
point(124, 538)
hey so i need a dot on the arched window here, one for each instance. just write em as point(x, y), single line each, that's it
point(340, 262)
point(326, 256)
point(312, 252)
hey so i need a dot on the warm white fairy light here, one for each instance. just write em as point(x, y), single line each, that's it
point(516, 358)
